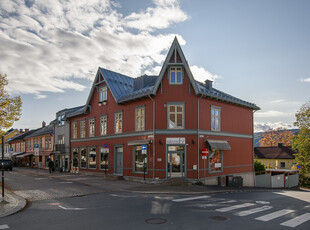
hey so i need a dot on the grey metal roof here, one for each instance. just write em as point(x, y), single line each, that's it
point(78, 111)
point(42, 131)
point(23, 136)
point(219, 95)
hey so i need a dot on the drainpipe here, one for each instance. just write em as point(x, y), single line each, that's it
point(198, 138)
point(253, 148)
point(154, 143)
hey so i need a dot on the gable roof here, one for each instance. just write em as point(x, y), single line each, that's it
point(42, 131)
point(282, 152)
point(123, 88)
point(22, 136)
point(71, 112)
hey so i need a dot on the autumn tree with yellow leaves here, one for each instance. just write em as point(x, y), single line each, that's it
point(274, 136)
point(10, 107)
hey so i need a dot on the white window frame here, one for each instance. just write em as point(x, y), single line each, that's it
point(103, 93)
point(104, 125)
point(175, 70)
point(140, 118)
point(176, 113)
point(216, 118)
point(91, 127)
point(118, 122)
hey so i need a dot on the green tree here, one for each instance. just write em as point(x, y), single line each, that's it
point(301, 142)
point(258, 166)
point(10, 107)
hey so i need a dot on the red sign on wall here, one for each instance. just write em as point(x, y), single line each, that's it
point(205, 152)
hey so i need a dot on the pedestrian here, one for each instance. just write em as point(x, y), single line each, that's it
point(50, 166)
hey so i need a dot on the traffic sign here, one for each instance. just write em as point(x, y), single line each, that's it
point(204, 157)
point(205, 152)
point(298, 166)
point(36, 146)
point(11, 149)
point(106, 145)
point(36, 152)
point(144, 147)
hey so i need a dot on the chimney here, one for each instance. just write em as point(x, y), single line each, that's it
point(26, 130)
point(43, 124)
point(208, 84)
point(280, 145)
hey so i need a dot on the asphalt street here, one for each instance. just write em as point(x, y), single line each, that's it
point(80, 203)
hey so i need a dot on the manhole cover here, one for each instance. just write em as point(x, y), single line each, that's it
point(218, 217)
point(156, 221)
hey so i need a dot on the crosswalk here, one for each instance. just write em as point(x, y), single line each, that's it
point(243, 209)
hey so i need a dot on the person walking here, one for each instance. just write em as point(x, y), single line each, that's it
point(50, 166)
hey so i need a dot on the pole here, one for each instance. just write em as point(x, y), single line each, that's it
point(3, 169)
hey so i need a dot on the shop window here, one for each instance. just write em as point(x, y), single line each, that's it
point(118, 122)
point(140, 119)
point(215, 161)
point(92, 127)
point(176, 116)
point(82, 127)
point(74, 130)
point(83, 158)
point(104, 125)
point(175, 76)
point(104, 158)
point(75, 157)
point(140, 159)
point(92, 155)
point(215, 118)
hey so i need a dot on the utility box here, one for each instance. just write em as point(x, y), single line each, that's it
point(234, 181)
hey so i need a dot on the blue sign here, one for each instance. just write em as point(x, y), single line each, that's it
point(11, 149)
point(298, 166)
point(106, 145)
point(36, 146)
point(144, 147)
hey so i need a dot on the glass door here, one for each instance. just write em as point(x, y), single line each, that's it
point(175, 165)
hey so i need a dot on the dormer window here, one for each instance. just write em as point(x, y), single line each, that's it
point(103, 93)
point(175, 76)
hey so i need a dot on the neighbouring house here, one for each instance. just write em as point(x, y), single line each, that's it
point(62, 139)
point(39, 147)
point(161, 127)
point(7, 136)
point(278, 157)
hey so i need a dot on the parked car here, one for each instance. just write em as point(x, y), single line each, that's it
point(7, 164)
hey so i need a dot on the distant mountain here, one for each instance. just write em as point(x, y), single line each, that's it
point(259, 135)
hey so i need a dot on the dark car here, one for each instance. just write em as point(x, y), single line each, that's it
point(7, 164)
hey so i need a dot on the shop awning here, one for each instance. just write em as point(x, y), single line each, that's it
point(24, 155)
point(139, 142)
point(218, 144)
point(17, 153)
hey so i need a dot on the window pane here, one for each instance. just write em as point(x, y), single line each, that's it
point(179, 77)
point(104, 158)
point(83, 158)
point(172, 121)
point(179, 120)
point(172, 108)
point(75, 162)
point(140, 159)
point(172, 78)
point(179, 108)
point(215, 162)
point(92, 158)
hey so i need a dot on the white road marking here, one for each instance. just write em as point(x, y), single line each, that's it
point(262, 202)
point(308, 206)
point(191, 198)
point(74, 209)
point(230, 208)
point(4, 226)
point(297, 220)
point(254, 210)
point(124, 196)
point(228, 202)
point(274, 215)
point(65, 182)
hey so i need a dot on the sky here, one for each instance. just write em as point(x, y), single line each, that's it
point(257, 51)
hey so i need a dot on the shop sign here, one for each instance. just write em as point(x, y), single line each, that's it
point(218, 165)
point(175, 140)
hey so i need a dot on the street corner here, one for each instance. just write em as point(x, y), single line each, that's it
point(11, 204)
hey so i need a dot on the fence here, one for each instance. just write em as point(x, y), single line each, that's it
point(277, 178)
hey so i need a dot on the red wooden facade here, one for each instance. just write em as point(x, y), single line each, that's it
point(171, 152)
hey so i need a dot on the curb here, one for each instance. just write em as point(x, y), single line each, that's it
point(15, 204)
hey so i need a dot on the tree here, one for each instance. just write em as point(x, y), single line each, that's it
point(258, 166)
point(10, 107)
point(301, 142)
point(274, 136)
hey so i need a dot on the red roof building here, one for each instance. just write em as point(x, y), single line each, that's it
point(155, 127)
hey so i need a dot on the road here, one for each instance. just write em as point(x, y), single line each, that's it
point(85, 202)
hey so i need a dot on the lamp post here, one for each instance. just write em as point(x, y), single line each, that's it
point(2, 167)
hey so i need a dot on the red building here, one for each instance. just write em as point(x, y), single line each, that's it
point(157, 127)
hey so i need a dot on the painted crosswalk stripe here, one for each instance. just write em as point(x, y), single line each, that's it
point(297, 220)
point(254, 210)
point(4, 226)
point(274, 215)
point(228, 201)
point(191, 198)
point(234, 207)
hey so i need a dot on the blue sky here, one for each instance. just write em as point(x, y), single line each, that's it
point(255, 50)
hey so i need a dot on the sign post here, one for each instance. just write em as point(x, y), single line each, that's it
point(204, 154)
point(144, 151)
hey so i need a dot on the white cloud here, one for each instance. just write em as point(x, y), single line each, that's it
point(201, 74)
point(270, 113)
point(40, 96)
point(47, 45)
point(276, 101)
point(305, 80)
point(262, 126)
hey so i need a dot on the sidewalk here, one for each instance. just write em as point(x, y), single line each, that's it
point(12, 204)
